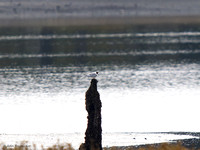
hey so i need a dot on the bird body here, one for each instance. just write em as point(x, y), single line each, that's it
point(93, 75)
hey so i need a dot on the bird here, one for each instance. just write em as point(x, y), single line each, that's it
point(93, 75)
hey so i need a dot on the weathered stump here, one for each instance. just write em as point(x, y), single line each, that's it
point(93, 134)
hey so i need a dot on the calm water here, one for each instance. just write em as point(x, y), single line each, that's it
point(149, 78)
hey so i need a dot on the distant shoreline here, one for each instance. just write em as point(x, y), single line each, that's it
point(91, 21)
point(90, 12)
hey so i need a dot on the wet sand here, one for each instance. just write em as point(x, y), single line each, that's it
point(186, 143)
point(192, 143)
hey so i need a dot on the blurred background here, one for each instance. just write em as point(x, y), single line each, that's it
point(147, 54)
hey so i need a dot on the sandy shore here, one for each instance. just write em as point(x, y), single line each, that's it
point(190, 144)
point(90, 12)
point(110, 140)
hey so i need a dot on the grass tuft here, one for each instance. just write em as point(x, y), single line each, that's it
point(163, 146)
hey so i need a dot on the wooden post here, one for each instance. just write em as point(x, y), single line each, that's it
point(93, 134)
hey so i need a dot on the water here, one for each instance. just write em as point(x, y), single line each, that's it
point(149, 80)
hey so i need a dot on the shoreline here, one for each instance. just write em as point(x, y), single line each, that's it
point(187, 144)
point(89, 12)
point(191, 143)
point(133, 138)
point(184, 143)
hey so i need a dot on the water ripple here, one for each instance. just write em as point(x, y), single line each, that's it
point(87, 54)
point(87, 36)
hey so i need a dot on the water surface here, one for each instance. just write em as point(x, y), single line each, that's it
point(149, 78)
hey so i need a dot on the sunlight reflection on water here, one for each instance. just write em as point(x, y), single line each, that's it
point(148, 82)
point(132, 97)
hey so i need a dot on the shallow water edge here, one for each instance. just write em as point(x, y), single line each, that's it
point(119, 139)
